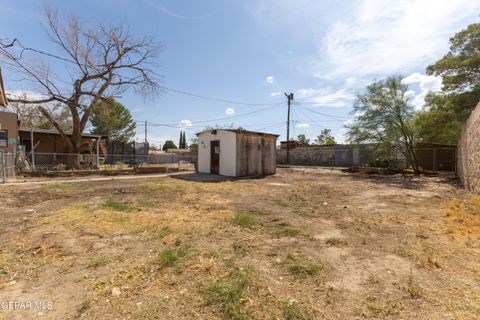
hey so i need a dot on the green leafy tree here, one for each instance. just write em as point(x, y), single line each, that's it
point(169, 144)
point(325, 138)
point(445, 113)
point(384, 116)
point(112, 119)
point(302, 140)
point(460, 67)
point(441, 121)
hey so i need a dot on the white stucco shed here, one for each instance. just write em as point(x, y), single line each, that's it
point(235, 152)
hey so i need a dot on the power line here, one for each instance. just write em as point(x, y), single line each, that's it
point(339, 118)
point(173, 125)
point(213, 99)
point(5, 46)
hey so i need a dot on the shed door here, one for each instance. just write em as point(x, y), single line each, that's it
point(215, 156)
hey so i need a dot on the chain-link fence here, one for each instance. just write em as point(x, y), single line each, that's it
point(7, 166)
point(440, 158)
point(55, 162)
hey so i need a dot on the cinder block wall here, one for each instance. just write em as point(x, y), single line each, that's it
point(468, 165)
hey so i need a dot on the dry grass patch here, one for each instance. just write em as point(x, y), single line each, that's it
point(336, 242)
point(98, 261)
point(297, 312)
point(425, 256)
point(463, 217)
point(108, 220)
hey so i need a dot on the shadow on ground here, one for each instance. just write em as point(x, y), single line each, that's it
point(403, 181)
point(208, 177)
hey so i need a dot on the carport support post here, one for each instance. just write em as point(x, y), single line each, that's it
point(33, 150)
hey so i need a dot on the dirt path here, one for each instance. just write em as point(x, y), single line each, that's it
point(90, 179)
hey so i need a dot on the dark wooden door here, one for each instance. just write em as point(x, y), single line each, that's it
point(215, 157)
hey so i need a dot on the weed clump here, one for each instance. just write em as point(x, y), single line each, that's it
point(244, 220)
point(170, 257)
point(227, 294)
point(113, 203)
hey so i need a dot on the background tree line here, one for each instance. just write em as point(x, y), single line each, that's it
point(385, 116)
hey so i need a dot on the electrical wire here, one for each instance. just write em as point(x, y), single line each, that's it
point(213, 99)
point(339, 118)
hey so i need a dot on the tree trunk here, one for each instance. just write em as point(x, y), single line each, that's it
point(73, 157)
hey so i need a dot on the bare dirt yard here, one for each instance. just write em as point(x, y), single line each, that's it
point(303, 244)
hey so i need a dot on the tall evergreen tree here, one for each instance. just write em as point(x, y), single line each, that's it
point(185, 145)
point(112, 119)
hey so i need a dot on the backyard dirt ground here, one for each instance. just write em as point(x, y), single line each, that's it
point(303, 244)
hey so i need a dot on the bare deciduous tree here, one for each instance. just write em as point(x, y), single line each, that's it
point(94, 63)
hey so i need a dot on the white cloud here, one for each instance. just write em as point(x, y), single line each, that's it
point(269, 79)
point(275, 94)
point(383, 37)
point(425, 83)
point(229, 111)
point(340, 98)
point(429, 83)
point(184, 124)
point(303, 125)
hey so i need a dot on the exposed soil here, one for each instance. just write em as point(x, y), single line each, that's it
point(303, 244)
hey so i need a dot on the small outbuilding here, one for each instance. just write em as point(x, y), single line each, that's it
point(236, 152)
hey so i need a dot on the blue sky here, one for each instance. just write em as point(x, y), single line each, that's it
point(253, 51)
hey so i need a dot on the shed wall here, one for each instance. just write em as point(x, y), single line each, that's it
point(227, 152)
point(256, 155)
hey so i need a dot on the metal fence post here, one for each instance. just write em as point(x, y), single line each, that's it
point(33, 150)
point(2, 159)
point(98, 153)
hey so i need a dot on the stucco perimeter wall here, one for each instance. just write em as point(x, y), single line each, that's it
point(468, 165)
point(227, 152)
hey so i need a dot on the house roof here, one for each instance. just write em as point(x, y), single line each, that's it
point(240, 131)
point(55, 132)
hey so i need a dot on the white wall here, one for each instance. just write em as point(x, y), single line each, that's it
point(228, 152)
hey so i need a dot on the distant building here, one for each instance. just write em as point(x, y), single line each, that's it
point(48, 144)
point(8, 131)
point(236, 153)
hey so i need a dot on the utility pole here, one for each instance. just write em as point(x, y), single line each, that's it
point(146, 131)
point(145, 144)
point(290, 98)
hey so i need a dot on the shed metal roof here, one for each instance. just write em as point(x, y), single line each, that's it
point(240, 131)
point(54, 131)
